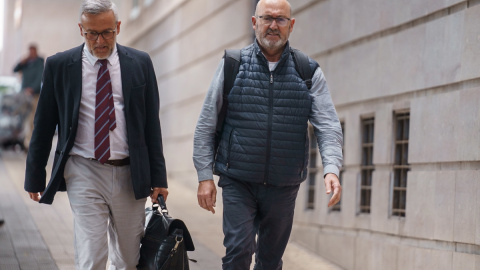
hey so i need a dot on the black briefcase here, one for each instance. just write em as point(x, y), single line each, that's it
point(166, 241)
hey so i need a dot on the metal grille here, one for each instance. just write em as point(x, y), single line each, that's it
point(400, 166)
point(367, 167)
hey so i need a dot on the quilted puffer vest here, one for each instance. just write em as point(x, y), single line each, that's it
point(265, 138)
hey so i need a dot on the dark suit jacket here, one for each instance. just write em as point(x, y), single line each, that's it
point(59, 104)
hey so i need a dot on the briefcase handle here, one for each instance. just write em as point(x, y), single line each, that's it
point(160, 203)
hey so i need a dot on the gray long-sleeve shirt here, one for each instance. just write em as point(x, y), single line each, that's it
point(323, 118)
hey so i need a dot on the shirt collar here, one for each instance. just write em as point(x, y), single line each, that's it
point(93, 60)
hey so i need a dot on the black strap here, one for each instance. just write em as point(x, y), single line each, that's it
point(230, 71)
point(302, 65)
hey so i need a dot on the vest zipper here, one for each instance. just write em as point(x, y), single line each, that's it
point(229, 147)
point(305, 155)
point(269, 129)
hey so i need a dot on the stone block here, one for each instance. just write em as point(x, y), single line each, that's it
point(380, 203)
point(358, 19)
point(363, 253)
point(420, 214)
point(438, 259)
point(467, 125)
point(383, 137)
point(337, 247)
point(466, 202)
point(432, 128)
point(444, 40)
point(306, 236)
point(444, 205)
point(471, 46)
point(349, 198)
point(352, 140)
point(406, 257)
point(464, 261)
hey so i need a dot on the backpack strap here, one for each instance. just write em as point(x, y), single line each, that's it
point(302, 65)
point(230, 70)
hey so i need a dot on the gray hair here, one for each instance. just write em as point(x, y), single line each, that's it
point(97, 7)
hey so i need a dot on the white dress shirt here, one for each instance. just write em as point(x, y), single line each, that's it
point(84, 141)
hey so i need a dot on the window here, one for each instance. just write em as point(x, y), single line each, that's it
point(400, 166)
point(312, 168)
point(338, 207)
point(367, 165)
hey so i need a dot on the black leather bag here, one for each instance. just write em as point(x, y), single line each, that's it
point(166, 241)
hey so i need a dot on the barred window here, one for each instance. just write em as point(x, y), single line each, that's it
point(366, 167)
point(400, 166)
point(338, 207)
point(312, 168)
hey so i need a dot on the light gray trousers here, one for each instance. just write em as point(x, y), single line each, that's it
point(108, 221)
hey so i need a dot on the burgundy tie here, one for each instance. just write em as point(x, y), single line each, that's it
point(104, 113)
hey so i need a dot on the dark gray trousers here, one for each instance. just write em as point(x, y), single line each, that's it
point(251, 210)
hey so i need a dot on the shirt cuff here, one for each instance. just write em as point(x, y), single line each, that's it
point(205, 174)
point(330, 168)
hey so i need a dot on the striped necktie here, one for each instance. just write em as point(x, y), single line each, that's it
point(104, 113)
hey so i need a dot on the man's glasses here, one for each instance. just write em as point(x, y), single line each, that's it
point(108, 34)
point(268, 20)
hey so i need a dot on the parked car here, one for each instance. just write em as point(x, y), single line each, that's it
point(14, 109)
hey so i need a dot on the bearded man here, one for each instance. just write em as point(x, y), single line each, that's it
point(262, 156)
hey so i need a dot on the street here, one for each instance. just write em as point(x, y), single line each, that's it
point(37, 236)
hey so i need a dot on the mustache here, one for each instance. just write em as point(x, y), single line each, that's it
point(271, 31)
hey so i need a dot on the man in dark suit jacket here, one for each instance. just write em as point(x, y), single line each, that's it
point(107, 172)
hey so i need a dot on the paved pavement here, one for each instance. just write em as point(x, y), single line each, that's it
point(40, 237)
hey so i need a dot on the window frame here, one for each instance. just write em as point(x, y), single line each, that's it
point(366, 166)
point(400, 167)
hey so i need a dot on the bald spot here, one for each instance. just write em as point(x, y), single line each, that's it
point(276, 5)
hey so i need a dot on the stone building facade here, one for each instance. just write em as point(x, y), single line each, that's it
point(405, 79)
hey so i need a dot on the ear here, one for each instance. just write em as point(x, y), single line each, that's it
point(81, 29)
point(118, 27)
point(254, 22)
point(292, 22)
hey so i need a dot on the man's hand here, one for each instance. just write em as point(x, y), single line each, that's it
point(331, 181)
point(158, 191)
point(207, 195)
point(35, 195)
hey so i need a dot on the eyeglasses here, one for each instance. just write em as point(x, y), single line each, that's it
point(108, 34)
point(268, 20)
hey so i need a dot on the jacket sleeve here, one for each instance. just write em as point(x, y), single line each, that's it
point(153, 133)
point(45, 122)
point(18, 67)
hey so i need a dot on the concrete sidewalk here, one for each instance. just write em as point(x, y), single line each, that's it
point(37, 236)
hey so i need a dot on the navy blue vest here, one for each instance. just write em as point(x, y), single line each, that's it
point(265, 135)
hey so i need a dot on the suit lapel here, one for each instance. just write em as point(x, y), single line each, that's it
point(74, 83)
point(126, 69)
